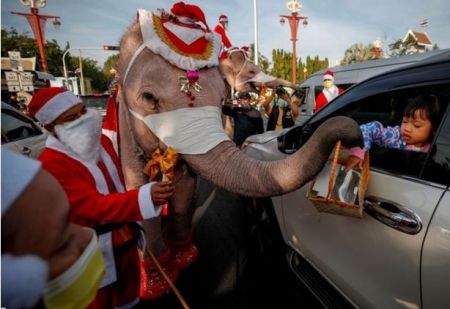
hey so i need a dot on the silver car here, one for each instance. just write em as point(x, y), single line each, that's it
point(20, 133)
point(398, 254)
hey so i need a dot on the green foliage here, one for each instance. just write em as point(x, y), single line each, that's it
point(13, 41)
point(400, 48)
point(263, 62)
point(358, 53)
point(282, 65)
point(26, 45)
point(91, 70)
point(408, 47)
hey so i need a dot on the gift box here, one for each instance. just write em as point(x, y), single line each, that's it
point(337, 191)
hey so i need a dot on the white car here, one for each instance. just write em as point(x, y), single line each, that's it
point(20, 133)
point(398, 254)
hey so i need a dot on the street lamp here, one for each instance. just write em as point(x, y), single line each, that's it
point(37, 23)
point(294, 6)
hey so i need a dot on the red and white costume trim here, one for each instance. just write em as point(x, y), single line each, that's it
point(97, 195)
point(326, 96)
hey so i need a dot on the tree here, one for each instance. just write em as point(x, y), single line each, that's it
point(26, 45)
point(357, 53)
point(91, 70)
point(408, 47)
point(110, 69)
point(263, 62)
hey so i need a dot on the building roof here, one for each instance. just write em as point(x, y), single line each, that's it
point(422, 38)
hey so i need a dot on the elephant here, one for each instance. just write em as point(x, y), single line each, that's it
point(151, 99)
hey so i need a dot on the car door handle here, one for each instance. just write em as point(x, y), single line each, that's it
point(393, 215)
point(26, 151)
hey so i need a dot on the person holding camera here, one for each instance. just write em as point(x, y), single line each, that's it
point(280, 109)
point(247, 120)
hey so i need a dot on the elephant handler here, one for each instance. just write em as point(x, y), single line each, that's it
point(87, 167)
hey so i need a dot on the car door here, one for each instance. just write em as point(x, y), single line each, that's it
point(374, 261)
point(21, 134)
point(435, 268)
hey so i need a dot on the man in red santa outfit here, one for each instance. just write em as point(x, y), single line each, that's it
point(87, 167)
point(329, 92)
point(222, 28)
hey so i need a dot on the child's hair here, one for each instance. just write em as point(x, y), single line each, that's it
point(428, 105)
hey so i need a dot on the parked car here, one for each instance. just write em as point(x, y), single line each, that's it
point(96, 101)
point(398, 254)
point(347, 75)
point(20, 133)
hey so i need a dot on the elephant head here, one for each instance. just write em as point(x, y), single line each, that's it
point(155, 112)
point(243, 75)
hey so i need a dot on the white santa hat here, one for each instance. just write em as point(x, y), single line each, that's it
point(328, 75)
point(17, 173)
point(183, 37)
point(23, 277)
point(48, 104)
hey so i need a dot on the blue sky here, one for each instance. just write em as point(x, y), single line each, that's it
point(333, 25)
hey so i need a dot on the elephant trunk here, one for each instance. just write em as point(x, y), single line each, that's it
point(229, 168)
point(282, 82)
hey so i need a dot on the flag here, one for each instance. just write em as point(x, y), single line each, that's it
point(424, 23)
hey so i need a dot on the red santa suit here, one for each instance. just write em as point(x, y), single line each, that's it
point(223, 33)
point(98, 199)
point(326, 96)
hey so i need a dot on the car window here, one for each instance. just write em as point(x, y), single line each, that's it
point(15, 127)
point(387, 108)
point(437, 168)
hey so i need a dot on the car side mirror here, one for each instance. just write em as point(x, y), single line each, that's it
point(289, 141)
point(293, 140)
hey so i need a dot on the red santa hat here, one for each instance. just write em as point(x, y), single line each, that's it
point(48, 104)
point(223, 18)
point(328, 75)
point(183, 38)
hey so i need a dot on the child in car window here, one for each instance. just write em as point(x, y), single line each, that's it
point(420, 120)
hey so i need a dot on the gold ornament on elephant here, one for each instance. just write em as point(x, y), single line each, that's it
point(188, 81)
point(162, 164)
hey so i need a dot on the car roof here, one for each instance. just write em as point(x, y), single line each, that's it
point(357, 72)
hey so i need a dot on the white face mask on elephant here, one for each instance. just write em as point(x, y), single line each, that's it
point(189, 130)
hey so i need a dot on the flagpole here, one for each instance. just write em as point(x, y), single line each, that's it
point(255, 26)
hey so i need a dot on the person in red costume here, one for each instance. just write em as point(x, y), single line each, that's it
point(329, 92)
point(86, 165)
point(221, 29)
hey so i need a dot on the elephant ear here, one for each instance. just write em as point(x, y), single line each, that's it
point(131, 156)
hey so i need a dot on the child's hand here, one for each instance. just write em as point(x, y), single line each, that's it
point(161, 192)
point(351, 162)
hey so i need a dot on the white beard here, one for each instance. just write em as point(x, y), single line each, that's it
point(82, 136)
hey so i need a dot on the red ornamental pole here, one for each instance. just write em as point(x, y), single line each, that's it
point(293, 24)
point(36, 25)
point(34, 20)
point(294, 6)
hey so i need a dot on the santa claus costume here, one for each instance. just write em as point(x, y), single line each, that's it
point(221, 29)
point(93, 182)
point(329, 92)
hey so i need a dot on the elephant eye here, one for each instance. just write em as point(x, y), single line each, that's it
point(150, 100)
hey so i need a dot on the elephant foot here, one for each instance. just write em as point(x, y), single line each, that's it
point(184, 252)
point(153, 284)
